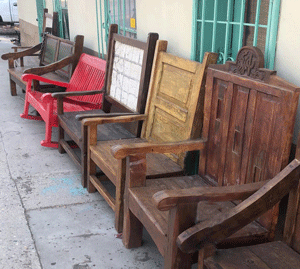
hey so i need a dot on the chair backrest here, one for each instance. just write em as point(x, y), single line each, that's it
point(88, 76)
point(175, 105)
point(248, 124)
point(55, 48)
point(128, 71)
point(50, 23)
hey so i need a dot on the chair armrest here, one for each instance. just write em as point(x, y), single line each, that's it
point(79, 93)
point(223, 225)
point(118, 119)
point(16, 55)
point(167, 199)
point(28, 77)
point(80, 117)
point(122, 151)
point(41, 70)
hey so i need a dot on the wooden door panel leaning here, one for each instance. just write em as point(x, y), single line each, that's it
point(58, 58)
point(174, 112)
point(278, 254)
point(127, 76)
point(83, 93)
point(249, 115)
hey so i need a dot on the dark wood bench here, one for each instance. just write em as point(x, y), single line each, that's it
point(58, 58)
point(272, 255)
point(174, 112)
point(249, 115)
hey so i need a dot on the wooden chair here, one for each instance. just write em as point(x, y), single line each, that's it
point(249, 114)
point(127, 58)
point(278, 254)
point(174, 112)
point(58, 59)
point(83, 92)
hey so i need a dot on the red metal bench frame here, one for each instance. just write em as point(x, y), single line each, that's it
point(86, 83)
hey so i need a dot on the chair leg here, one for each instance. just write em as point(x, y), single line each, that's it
point(47, 142)
point(181, 217)
point(91, 171)
point(61, 136)
point(132, 229)
point(120, 186)
point(25, 115)
point(13, 88)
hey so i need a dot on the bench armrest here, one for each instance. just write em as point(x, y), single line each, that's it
point(223, 225)
point(28, 77)
point(118, 119)
point(41, 70)
point(80, 117)
point(167, 199)
point(122, 151)
point(77, 93)
point(26, 52)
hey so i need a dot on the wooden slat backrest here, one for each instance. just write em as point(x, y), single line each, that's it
point(65, 50)
point(88, 76)
point(175, 106)
point(55, 48)
point(249, 118)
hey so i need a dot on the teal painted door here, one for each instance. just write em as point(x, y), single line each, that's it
point(224, 26)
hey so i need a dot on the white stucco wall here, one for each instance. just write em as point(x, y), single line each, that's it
point(27, 11)
point(287, 62)
point(171, 19)
point(83, 21)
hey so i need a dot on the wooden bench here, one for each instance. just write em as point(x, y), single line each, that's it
point(272, 255)
point(58, 59)
point(174, 112)
point(249, 115)
point(127, 58)
point(84, 92)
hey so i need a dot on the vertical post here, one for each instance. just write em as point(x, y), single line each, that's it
point(256, 22)
point(119, 17)
point(213, 47)
point(194, 29)
point(273, 30)
point(98, 34)
point(114, 10)
point(202, 30)
point(229, 15)
point(242, 19)
point(124, 18)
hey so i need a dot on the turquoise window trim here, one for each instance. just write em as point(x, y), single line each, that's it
point(40, 5)
point(205, 19)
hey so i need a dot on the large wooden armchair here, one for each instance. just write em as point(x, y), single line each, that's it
point(279, 254)
point(249, 114)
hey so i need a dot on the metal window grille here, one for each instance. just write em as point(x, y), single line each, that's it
point(121, 12)
point(224, 26)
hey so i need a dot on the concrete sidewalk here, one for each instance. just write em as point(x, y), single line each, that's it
point(47, 220)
